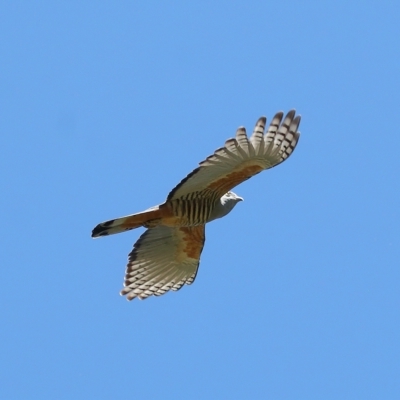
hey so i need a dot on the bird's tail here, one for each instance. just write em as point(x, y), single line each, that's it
point(126, 223)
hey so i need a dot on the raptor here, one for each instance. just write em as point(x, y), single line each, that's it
point(167, 254)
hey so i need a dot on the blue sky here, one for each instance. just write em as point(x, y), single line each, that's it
point(106, 106)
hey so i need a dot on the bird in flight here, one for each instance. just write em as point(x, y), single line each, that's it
point(167, 254)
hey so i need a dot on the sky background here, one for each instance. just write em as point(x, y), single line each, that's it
point(106, 106)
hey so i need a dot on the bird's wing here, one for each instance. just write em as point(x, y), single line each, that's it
point(163, 259)
point(242, 157)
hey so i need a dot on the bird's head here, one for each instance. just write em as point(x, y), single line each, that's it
point(230, 199)
point(224, 206)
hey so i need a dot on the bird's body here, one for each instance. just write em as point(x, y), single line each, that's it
point(167, 255)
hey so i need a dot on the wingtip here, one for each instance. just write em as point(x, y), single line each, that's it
point(295, 123)
point(129, 294)
point(291, 114)
point(125, 292)
point(261, 122)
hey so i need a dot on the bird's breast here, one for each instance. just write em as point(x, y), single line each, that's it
point(189, 212)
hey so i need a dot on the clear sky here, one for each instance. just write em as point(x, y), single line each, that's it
point(106, 106)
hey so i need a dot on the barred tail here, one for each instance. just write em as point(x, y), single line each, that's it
point(126, 223)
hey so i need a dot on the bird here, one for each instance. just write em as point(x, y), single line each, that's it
point(167, 255)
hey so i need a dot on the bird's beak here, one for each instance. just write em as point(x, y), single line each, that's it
point(240, 198)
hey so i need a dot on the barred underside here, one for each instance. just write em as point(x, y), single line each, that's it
point(193, 209)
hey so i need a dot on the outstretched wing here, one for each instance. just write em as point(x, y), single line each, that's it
point(242, 157)
point(163, 259)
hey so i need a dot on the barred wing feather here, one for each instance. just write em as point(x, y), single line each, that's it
point(242, 157)
point(163, 259)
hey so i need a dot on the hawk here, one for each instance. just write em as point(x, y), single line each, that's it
point(167, 254)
